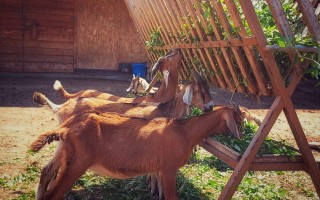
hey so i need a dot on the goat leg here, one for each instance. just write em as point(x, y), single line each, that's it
point(168, 182)
point(48, 174)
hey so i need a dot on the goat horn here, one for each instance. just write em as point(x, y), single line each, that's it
point(156, 66)
point(172, 52)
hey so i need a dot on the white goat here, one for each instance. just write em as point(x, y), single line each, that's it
point(139, 85)
point(124, 147)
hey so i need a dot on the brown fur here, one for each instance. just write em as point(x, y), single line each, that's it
point(170, 62)
point(123, 147)
point(175, 108)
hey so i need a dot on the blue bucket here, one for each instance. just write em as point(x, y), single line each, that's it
point(139, 69)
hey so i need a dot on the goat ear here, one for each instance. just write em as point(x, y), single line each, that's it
point(232, 125)
point(133, 76)
point(166, 77)
point(188, 95)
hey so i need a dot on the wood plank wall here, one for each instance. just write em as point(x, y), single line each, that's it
point(11, 35)
point(106, 35)
point(58, 36)
point(36, 35)
point(48, 36)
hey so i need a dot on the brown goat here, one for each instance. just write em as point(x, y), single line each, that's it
point(124, 147)
point(195, 93)
point(169, 65)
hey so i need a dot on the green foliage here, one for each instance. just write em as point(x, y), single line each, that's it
point(194, 111)
point(155, 40)
point(274, 37)
point(269, 146)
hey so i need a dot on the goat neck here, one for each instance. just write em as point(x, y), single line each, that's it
point(220, 121)
point(175, 108)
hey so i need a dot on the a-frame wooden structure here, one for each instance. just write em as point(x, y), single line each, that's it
point(235, 44)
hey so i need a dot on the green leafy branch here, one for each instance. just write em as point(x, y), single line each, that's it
point(155, 39)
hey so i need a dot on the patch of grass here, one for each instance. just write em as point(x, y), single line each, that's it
point(22, 180)
point(26, 196)
point(100, 187)
point(203, 179)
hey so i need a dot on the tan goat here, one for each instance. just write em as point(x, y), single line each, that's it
point(169, 65)
point(195, 93)
point(124, 147)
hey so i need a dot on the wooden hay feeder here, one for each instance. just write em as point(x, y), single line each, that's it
point(226, 41)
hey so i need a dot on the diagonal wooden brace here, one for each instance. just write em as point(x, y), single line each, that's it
point(282, 102)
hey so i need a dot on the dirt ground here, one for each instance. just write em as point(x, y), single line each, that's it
point(21, 120)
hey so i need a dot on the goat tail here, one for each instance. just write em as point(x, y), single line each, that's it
point(57, 86)
point(43, 139)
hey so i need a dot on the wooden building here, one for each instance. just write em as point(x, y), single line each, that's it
point(66, 35)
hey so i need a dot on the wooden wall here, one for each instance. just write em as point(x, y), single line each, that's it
point(48, 42)
point(106, 35)
point(10, 35)
point(58, 36)
point(36, 35)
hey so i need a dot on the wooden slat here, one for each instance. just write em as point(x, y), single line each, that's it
point(159, 17)
point(48, 10)
point(225, 60)
point(310, 18)
point(44, 51)
point(14, 66)
point(56, 31)
point(141, 31)
point(11, 22)
point(49, 24)
point(249, 41)
point(52, 4)
point(236, 51)
point(48, 37)
point(184, 12)
point(46, 44)
point(7, 33)
point(48, 58)
point(11, 50)
point(248, 49)
point(8, 6)
point(144, 31)
point(10, 43)
point(11, 57)
point(47, 67)
point(10, 15)
point(50, 18)
point(143, 26)
point(283, 26)
point(173, 24)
